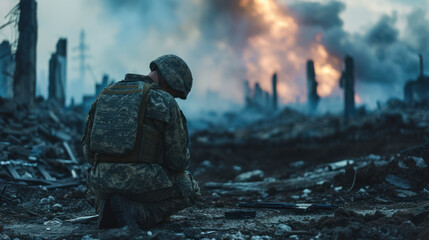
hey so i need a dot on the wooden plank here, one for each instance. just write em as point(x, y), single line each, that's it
point(45, 173)
point(84, 219)
point(13, 172)
point(69, 152)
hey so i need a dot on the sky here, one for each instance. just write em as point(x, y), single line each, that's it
point(220, 41)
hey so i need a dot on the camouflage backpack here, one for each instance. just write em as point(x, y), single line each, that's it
point(116, 134)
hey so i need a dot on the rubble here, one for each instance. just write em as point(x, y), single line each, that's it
point(252, 176)
point(380, 186)
point(39, 146)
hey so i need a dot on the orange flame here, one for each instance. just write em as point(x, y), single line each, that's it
point(276, 50)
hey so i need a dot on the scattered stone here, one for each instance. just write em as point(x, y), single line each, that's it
point(206, 164)
point(88, 237)
point(282, 229)
point(294, 197)
point(361, 194)
point(238, 236)
point(55, 222)
point(339, 164)
point(57, 207)
point(252, 176)
point(261, 238)
point(236, 168)
point(45, 201)
point(4, 236)
point(397, 181)
point(420, 162)
point(403, 193)
point(305, 193)
point(297, 164)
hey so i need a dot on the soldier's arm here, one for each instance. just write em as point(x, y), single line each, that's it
point(176, 152)
point(89, 156)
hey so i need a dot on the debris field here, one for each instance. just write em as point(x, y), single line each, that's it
point(325, 178)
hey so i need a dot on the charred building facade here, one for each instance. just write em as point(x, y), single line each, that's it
point(24, 85)
point(417, 90)
point(7, 68)
point(57, 73)
point(312, 96)
point(347, 82)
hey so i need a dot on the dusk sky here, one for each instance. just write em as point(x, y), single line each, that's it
point(222, 42)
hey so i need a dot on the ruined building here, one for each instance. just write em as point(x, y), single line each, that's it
point(274, 84)
point(417, 90)
point(347, 82)
point(100, 86)
point(7, 68)
point(87, 100)
point(24, 85)
point(312, 96)
point(259, 99)
point(57, 73)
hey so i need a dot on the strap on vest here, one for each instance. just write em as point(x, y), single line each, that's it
point(135, 155)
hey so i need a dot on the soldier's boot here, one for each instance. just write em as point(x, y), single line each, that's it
point(123, 212)
point(106, 219)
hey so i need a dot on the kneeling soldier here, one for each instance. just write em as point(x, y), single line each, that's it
point(136, 141)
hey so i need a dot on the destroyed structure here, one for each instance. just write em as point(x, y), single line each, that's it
point(258, 99)
point(7, 68)
point(57, 73)
point(87, 100)
point(275, 99)
point(312, 96)
point(418, 90)
point(24, 86)
point(347, 82)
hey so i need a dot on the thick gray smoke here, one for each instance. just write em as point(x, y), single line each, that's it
point(211, 37)
point(384, 61)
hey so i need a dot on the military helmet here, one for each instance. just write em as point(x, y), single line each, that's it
point(175, 71)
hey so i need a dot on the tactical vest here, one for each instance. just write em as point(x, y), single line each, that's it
point(117, 130)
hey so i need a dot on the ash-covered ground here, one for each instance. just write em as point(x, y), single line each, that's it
point(374, 167)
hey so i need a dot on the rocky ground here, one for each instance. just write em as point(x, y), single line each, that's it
point(373, 170)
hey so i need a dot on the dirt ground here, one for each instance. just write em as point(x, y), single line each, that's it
point(378, 181)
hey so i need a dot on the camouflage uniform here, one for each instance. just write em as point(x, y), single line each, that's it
point(157, 189)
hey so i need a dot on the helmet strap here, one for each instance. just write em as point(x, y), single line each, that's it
point(160, 79)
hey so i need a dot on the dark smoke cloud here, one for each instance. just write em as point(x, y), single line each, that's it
point(317, 14)
point(384, 59)
point(418, 30)
point(384, 32)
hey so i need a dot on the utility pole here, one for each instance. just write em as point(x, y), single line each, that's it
point(82, 48)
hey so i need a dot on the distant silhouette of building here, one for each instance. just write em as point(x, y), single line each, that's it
point(7, 68)
point(417, 90)
point(57, 73)
point(312, 96)
point(347, 82)
point(87, 100)
point(259, 99)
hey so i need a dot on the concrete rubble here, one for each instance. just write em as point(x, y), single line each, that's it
point(40, 146)
point(379, 192)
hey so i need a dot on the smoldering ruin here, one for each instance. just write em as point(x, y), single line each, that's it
point(277, 167)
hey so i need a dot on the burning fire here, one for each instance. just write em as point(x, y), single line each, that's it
point(276, 50)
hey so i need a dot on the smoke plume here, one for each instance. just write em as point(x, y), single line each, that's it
point(226, 42)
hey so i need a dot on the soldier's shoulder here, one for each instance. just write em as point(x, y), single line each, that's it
point(160, 104)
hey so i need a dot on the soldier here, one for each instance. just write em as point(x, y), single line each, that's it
point(136, 141)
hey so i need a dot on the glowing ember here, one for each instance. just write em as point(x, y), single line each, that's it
point(358, 100)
